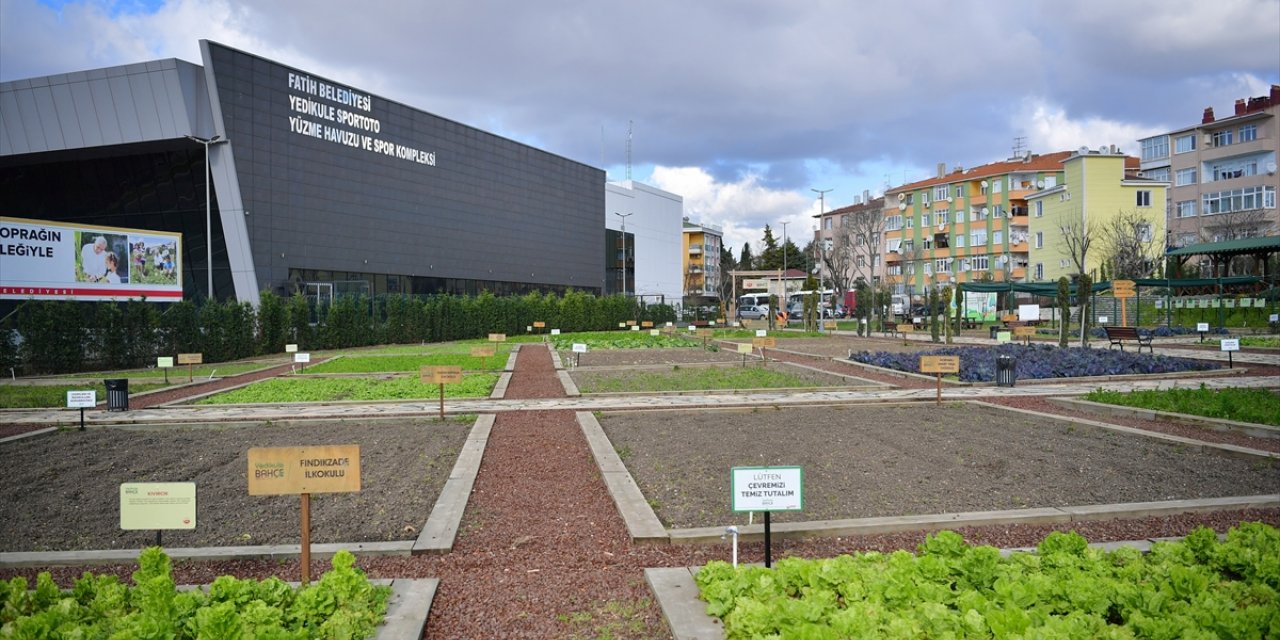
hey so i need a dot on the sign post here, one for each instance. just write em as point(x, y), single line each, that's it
point(483, 353)
point(441, 376)
point(190, 359)
point(302, 359)
point(905, 329)
point(745, 350)
point(1202, 328)
point(1024, 332)
point(938, 365)
point(82, 400)
point(1123, 290)
point(157, 505)
point(1229, 345)
point(763, 343)
point(579, 348)
point(165, 363)
point(768, 489)
point(275, 471)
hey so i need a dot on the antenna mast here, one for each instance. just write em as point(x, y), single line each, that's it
point(1019, 145)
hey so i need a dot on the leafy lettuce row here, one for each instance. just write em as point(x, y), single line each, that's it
point(1196, 588)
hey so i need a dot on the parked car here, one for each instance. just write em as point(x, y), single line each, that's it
point(751, 312)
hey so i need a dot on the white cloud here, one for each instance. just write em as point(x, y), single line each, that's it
point(742, 207)
point(1049, 128)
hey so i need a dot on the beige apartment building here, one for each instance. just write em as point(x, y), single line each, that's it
point(1223, 172)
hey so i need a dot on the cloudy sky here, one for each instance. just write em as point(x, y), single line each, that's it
point(740, 106)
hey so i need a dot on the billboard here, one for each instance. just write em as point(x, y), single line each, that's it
point(44, 260)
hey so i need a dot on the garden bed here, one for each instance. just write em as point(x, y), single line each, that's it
point(676, 378)
point(1038, 362)
point(891, 460)
point(640, 357)
point(61, 491)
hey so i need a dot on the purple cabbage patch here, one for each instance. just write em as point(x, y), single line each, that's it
point(1038, 361)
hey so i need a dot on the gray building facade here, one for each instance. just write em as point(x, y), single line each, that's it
point(316, 185)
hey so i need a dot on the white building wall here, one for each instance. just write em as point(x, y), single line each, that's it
point(657, 225)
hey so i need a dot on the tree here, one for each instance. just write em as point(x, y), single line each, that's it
point(1078, 239)
point(771, 253)
point(1129, 248)
point(724, 286)
point(1234, 225)
point(745, 260)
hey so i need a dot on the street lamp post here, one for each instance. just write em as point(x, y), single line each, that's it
point(822, 211)
point(784, 262)
point(624, 217)
point(208, 206)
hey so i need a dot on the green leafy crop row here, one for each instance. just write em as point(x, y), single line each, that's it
point(295, 389)
point(342, 604)
point(1259, 406)
point(1198, 588)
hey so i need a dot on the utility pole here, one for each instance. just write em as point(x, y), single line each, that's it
point(624, 217)
point(822, 211)
point(208, 205)
point(784, 263)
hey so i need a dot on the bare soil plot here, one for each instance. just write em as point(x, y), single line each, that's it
point(887, 460)
point(61, 491)
point(630, 357)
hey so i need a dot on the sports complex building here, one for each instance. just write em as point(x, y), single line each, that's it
point(313, 185)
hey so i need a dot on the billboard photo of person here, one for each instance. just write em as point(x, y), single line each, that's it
point(92, 265)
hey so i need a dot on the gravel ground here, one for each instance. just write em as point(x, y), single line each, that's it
point(889, 460)
point(61, 491)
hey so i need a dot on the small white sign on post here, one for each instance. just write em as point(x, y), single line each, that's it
point(653, 332)
point(1275, 317)
point(302, 357)
point(635, 328)
point(768, 489)
point(760, 333)
point(291, 348)
point(555, 332)
point(82, 399)
point(1230, 344)
point(164, 362)
point(1202, 327)
point(157, 505)
point(1103, 319)
point(579, 347)
point(1028, 312)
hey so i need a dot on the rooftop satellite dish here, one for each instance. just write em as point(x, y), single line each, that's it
point(902, 206)
point(1102, 149)
point(1084, 151)
point(901, 197)
point(1039, 184)
point(985, 184)
point(1271, 168)
point(984, 211)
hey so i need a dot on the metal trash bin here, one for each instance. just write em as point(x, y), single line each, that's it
point(117, 394)
point(1006, 372)
point(995, 328)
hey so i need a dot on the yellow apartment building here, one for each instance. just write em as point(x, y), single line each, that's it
point(1097, 188)
point(701, 263)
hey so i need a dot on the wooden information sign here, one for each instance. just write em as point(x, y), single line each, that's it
point(829, 325)
point(1122, 289)
point(938, 365)
point(484, 353)
point(631, 323)
point(539, 324)
point(1024, 332)
point(497, 337)
point(190, 359)
point(441, 376)
point(276, 471)
point(769, 342)
point(647, 324)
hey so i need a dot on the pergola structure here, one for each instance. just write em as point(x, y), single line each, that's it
point(1221, 253)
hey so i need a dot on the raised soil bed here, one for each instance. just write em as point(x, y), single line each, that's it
point(891, 460)
point(61, 491)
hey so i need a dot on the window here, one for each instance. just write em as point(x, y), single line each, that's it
point(942, 266)
point(1039, 271)
point(944, 217)
point(862, 261)
point(928, 269)
point(940, 192)
point(1235, 169)
point(894, 245)
point(926, 244)
point(959, 240)
point(1183, 144)
point(1222, 138)
point(1187, 209)
point(844, 221)
point(1050, 181)
point(908, 246)
point(910, 198)
point(997, 211)
point(997, 185)
point(1144, 232)
point(980, 263)
point(959, 191)
point(1184, 176)
point(925, 219)
point(1039, 208)
point(1143, 197)
point(997, 237)
point(1039, 239)
point(826, 224)
point(1245, 199)
point(978, 238)
point(894, 270)
point(911, 223)
point(1154, 148)
point(893, 223)
point(827, 244)
point(1248, 132)
point(1159, 175)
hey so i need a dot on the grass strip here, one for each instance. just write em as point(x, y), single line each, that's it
point(695, 379)
point(47, 396)
point(297, 389)
point(404, 363)
point(1258, 406)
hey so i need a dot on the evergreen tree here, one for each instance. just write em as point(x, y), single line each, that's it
point(746, 261)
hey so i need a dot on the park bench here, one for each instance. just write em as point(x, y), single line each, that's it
point(890, 327)
point(1118, 336)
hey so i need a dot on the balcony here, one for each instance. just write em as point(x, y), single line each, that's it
point(695, 249)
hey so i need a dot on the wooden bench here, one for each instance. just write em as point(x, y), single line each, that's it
point(1118, 336)
point(969, 323)
point(890, 327)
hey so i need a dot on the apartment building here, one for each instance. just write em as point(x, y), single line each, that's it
point(1223, 172)
point(1100, 199)
point(964, 225)
point(701, 263)
point(849, 241)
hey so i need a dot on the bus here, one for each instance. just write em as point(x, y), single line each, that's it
point(796, 300)
point(753, 300)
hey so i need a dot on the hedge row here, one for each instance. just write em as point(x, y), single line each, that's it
point(65, 337)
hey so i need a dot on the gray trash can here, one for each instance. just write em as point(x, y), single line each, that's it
point(117, 394)
point(1006, 372)
point(995, 328)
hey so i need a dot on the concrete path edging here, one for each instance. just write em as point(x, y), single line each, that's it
point(12, 559)
point(500, 389)
point(642, 523)
point(441, 529)
point(1217, 424)
point(408, 609)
